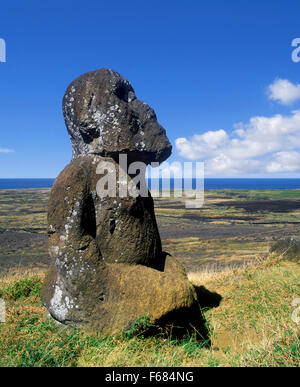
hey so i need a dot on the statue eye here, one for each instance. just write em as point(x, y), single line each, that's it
point(122, 92)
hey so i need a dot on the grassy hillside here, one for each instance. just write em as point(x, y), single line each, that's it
point(252, 326)
point(224, 247)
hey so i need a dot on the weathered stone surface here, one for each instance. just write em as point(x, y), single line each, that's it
point(104, 117)
point(111, 297)
point(80, 221)
point(108, 268)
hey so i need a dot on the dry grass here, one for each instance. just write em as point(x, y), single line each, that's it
point(16, 274)
point(251, 327)
point(212, 273)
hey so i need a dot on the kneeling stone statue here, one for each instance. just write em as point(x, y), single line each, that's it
point(108, 268)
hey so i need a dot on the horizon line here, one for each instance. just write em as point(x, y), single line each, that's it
point(160, 178)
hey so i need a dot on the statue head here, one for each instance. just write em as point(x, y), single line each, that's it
point(104, 117)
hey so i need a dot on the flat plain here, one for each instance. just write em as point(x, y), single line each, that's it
point(233, 228)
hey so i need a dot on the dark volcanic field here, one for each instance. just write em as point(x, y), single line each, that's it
point(234, 227)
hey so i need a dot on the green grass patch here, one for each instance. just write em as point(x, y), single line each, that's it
point(251, 327)
point(21, 289)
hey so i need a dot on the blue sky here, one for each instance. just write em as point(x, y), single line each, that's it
point(204, 66)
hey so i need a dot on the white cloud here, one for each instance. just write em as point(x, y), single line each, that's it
point(204, 144)
point(5, 150)
point(263, 145)
point(284, 91)
point(284, 162)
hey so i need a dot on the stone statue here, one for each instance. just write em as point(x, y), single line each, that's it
point(108, 268)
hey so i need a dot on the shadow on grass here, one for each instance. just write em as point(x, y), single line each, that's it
point(207, 299)
point(184, 324)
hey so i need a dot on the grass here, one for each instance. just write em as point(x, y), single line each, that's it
point(21, 289)
point(251, 327)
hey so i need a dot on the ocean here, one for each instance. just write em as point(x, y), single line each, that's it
point(209, 183)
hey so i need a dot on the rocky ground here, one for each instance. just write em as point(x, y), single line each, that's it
point(233, 227)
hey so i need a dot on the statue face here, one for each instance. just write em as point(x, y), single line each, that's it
point(104, 117)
